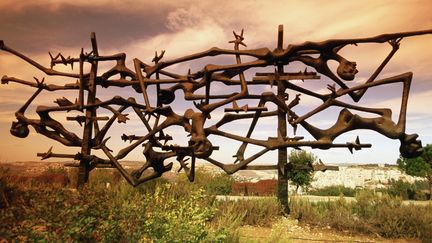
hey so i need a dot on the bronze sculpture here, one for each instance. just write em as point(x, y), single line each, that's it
point(157, 117)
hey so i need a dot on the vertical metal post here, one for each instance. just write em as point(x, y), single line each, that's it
point(90, 114)
point(282, 131)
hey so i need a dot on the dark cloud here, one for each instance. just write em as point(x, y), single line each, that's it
point(36, 28)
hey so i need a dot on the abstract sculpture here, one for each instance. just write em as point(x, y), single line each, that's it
point(156, 117)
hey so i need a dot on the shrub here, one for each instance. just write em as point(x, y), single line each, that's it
point(57, 176)
point(212, 183)
point(419, 166)
point(333, 191)
point(384, 215)
point(169, 219)
point(102, 176)
point(226, 222)
point(163, 213)
point(257, 212)
point(396, 188)
point(401, 189)
point(406, 190)
point(303, 210)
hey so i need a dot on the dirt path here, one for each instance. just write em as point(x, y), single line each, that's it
point(288, 230)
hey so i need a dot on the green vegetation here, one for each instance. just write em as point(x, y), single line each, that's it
point(406, 190)
point(213, 183)
point(301, 177)
point(420, 166)
point(333, 191)
point(399, 188)
point(53, 214)
point(164, 211)
point(258, 212)
point(372, 214)
point(158, 211)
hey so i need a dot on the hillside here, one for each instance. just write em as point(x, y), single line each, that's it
point(353, 176)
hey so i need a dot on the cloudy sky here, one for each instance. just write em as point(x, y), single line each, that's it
point(139, 28)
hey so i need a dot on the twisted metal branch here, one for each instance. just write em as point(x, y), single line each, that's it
point(156, 118)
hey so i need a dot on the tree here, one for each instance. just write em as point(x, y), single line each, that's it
point(420, 166)
point(301, 170)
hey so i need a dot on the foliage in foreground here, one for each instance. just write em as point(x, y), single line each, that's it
point(157, 211)
point(161, 211)
point(56, 214)
point(371, 214)
point(257, 212)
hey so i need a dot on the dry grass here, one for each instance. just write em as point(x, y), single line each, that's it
point(43, 210)
point(371, 214)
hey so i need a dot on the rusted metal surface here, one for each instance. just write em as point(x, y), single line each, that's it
point(157, 113)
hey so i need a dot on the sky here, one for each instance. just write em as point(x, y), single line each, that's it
point(139, 28)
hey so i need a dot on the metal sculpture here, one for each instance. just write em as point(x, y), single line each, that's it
point(159, 116)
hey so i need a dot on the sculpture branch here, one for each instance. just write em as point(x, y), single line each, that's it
point(195, 91)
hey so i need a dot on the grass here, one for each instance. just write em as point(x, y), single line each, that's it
point(159, 211)
point(163, 211)
point(372, 214)
point(333, 191)
point(257, 212)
